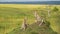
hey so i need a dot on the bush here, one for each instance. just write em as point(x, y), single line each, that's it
point(55, 9)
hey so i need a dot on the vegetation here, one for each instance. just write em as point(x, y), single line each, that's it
point(34, 29)
point(12, 15)
point(55, 9)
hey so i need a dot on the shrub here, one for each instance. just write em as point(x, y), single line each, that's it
point(55, 9)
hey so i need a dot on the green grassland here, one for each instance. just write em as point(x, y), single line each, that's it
point(12, 15)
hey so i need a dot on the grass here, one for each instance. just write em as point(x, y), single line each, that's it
point(34, 29)
point(11, 16)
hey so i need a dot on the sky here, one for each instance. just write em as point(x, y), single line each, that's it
point(24, 0)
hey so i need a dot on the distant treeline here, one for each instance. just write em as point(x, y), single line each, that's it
point(34, 2)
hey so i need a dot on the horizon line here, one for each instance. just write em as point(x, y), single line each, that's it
point(23, 1)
